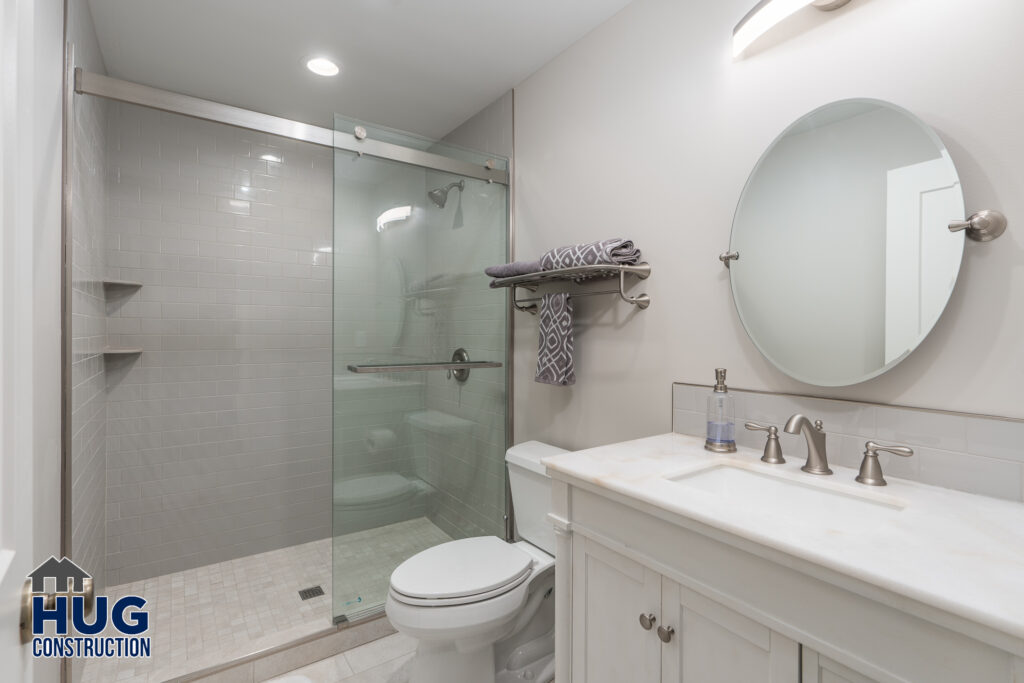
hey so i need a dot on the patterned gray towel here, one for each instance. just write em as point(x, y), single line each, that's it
point(616, 251)
point(554, 355)
point(513, 269)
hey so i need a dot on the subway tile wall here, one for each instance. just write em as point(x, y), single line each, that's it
point(976, 454)
point(88, 338)
point(219, 433)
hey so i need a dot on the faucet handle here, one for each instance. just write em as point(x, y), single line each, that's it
point(819, 425)
point(773, 447)
point(870, 469)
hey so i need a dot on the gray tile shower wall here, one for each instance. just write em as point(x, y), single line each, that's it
point(976, 454)
point(88, 338)
point(219, 433)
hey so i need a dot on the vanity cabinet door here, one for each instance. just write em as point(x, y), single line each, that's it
point(820, 669)
point(714, 644)
point(609, 594)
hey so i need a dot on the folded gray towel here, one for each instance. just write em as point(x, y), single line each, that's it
point(615, 251)
point(513, 269)
point(554, 355)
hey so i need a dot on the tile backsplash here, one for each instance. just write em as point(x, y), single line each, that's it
point(972, 453)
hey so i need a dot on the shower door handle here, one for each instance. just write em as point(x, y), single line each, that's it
point(417, 367)
point(458, 367)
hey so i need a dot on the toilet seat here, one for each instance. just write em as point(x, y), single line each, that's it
point(461, 572)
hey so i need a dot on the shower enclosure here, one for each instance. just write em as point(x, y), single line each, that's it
point(227, 270)
point(419, 359)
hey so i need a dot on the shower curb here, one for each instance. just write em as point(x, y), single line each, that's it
point(280, 659)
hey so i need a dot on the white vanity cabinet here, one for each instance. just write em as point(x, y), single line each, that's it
point(740, 612)
point(690, 638)
point(816, 668)
point(608, 643)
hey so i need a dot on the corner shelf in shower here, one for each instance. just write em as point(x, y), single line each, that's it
point(577, 274)
point(113, 351)
point(121, 284)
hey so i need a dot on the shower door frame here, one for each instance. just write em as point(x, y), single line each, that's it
point(89, 83)
point(82, 82)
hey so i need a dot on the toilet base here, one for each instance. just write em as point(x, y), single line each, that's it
point(435, 663)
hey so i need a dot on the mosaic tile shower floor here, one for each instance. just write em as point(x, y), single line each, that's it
point(217, 613)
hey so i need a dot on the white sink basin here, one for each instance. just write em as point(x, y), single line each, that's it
point(774, 495)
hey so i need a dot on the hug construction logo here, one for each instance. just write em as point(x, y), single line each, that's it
point(71, 603)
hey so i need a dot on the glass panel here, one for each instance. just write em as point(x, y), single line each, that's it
point(418, 455)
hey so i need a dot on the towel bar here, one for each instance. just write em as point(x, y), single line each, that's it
point(418, 367)
point(532, 280)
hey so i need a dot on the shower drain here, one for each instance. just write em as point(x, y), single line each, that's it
point(307, 593)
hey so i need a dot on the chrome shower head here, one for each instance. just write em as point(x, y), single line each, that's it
point(440, 195)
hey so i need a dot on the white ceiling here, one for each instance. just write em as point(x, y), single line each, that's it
point(424, 66)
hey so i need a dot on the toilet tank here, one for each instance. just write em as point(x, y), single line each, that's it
point(531, 492)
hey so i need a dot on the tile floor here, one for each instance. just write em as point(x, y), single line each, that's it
point(206, 616)
point(382, 661)
point(365, 560)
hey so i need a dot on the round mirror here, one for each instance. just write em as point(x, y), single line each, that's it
point(846, 260)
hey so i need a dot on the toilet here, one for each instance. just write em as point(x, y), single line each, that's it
point(483, 609)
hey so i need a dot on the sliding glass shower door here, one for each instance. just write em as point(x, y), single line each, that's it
point(418, 446)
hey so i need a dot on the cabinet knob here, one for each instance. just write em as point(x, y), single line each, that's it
point(665, 633)
point(647, 621)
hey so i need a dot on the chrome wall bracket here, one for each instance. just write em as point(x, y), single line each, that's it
point(983, 226)
point(729, 256)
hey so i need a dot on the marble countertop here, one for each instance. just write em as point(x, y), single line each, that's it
point(958, 552)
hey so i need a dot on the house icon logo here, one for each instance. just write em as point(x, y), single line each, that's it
point(82, 625)
point(68, 576)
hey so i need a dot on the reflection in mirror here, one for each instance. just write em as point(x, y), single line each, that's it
point(846, 261)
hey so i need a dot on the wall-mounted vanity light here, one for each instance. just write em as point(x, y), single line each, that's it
point(768, 13)
point(399, 213)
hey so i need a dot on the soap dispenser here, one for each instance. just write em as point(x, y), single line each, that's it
point(721, 436)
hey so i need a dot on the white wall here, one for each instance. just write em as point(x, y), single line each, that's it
point(31, 38)
point(490, 130)
point(647, 128)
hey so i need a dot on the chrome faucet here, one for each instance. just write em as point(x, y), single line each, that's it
point(817, 460)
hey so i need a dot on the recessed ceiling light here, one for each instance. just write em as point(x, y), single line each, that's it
point(322, 66)
point(271, 157)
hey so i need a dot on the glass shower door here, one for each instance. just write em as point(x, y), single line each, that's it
point(418, 448)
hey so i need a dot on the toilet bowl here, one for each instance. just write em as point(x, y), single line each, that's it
point(482, 609)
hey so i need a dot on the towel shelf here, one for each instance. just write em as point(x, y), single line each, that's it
point(604, 271)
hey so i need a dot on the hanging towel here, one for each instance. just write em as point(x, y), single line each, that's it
point(615, 251)
point(554, 355)
point(513, 269)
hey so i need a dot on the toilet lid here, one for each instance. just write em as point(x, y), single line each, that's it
point(461, 568)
